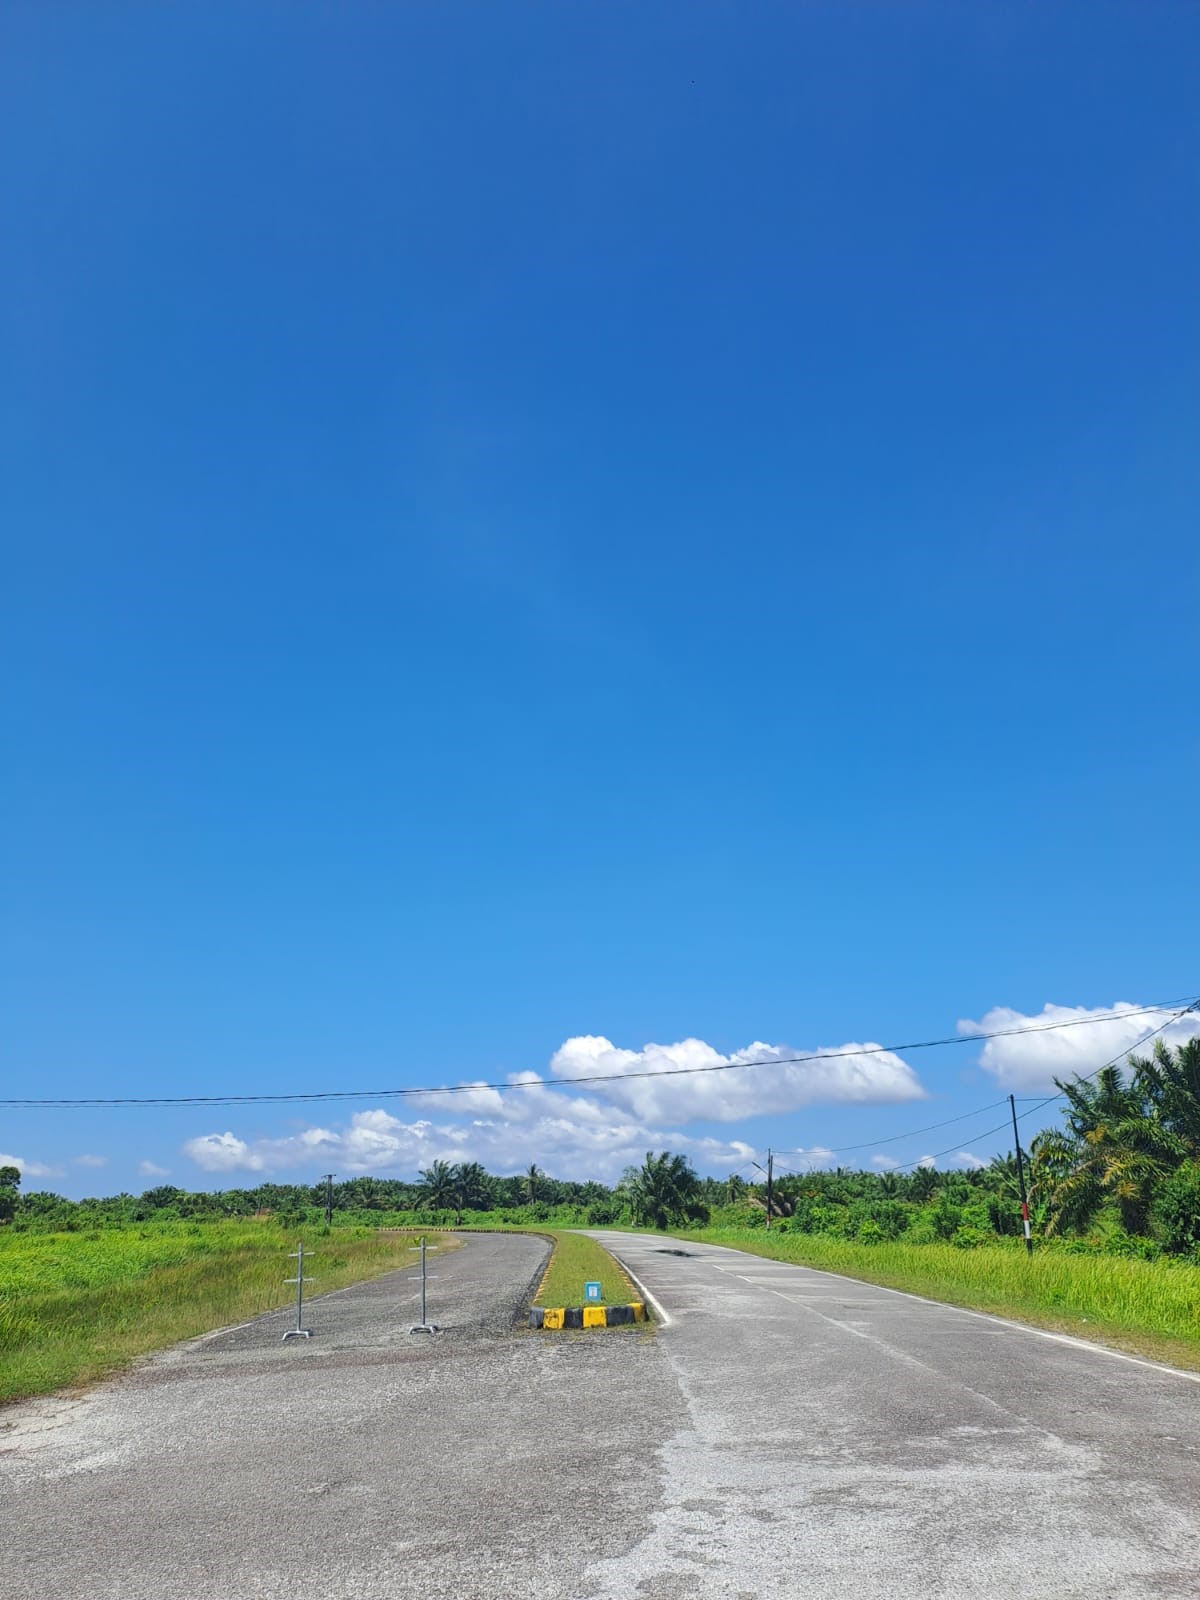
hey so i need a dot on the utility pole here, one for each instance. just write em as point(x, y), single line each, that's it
point(769, 1169)
point(1012, 1105)
point(329, 1177)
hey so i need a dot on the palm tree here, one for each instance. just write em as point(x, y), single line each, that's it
point(532, 1182)
point(663, 1190)
point(922, 1183)
point(1116, 1146)
point(439, 1186)
point(735, 1187)
point(1170, 1081)
point(472, 1188)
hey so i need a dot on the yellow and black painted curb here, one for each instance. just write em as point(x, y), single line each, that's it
point(586, 1316)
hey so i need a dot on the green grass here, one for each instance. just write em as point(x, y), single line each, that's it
point(574, 1260)
point(1149, 1307)
point(577, 1260)
point(74, 1306)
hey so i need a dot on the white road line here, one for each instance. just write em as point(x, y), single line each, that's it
point(987, 1316)
point(651, 1299)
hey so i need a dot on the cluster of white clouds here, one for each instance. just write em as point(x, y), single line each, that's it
point(39, 1169)
point(692, 1082)
point(563, 1137)
point(29, 1169)
point(599, 1128)
point(1031, 1061)
point(623, 1102)
point(601, 1107)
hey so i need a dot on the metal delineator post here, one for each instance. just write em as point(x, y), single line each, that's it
point(424, 1326)
point(299, 1331)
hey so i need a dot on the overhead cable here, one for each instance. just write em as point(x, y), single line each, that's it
point(536, 1082)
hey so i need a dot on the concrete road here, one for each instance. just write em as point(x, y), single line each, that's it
point(847, 1440)
point(488, 1461)
point(786, 1434)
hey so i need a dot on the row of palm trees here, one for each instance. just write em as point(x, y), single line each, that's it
point(468, 1186)
point(1126, 1135)
point(663, 1191)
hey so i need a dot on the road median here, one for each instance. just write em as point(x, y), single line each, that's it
point(584, 1286)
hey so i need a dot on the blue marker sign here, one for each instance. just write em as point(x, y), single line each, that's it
point(591, 1292)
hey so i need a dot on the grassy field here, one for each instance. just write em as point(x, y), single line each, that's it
point(1151, 1308)
point(74, 1306)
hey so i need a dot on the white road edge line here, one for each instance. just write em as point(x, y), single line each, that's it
point(990, 1316)
point(660, 1311)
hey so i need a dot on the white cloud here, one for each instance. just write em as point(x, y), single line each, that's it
point(30, 1169)
point(650, 1084)
point(884, 1163)
point(148, 1169)
point(581, 1133)
point(969, 1160)
point(223, 1152)
point(927, 1161)
point(90, 1161)
point(566, 1137)
point(1031, 1061)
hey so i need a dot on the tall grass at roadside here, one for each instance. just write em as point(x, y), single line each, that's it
point(76, 1305)
point(1152, 1307)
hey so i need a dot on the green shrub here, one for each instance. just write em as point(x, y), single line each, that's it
point(966, 1237)
point(738, 1214)
point(1177, 1210)
point(1130, 1245)
point(876, 1219)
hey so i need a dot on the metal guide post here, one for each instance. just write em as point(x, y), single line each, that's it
point(424, 1326)
point(299, 1331)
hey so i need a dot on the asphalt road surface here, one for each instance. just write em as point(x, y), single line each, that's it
point(786, 1434)
point(843, 1439)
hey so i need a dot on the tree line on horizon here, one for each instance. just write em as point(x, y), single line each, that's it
point(1121, 1173)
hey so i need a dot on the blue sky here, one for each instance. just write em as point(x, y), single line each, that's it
point(537, 523)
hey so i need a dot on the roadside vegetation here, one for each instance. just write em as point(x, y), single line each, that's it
point(1114, 1197)
point(74, 1306)
point(1150, 1308)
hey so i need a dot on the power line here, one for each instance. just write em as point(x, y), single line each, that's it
point(913, 1133)
point(980, 1111)
point(94, 1102)
point(1085, 1076)
point(1049, 1100)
